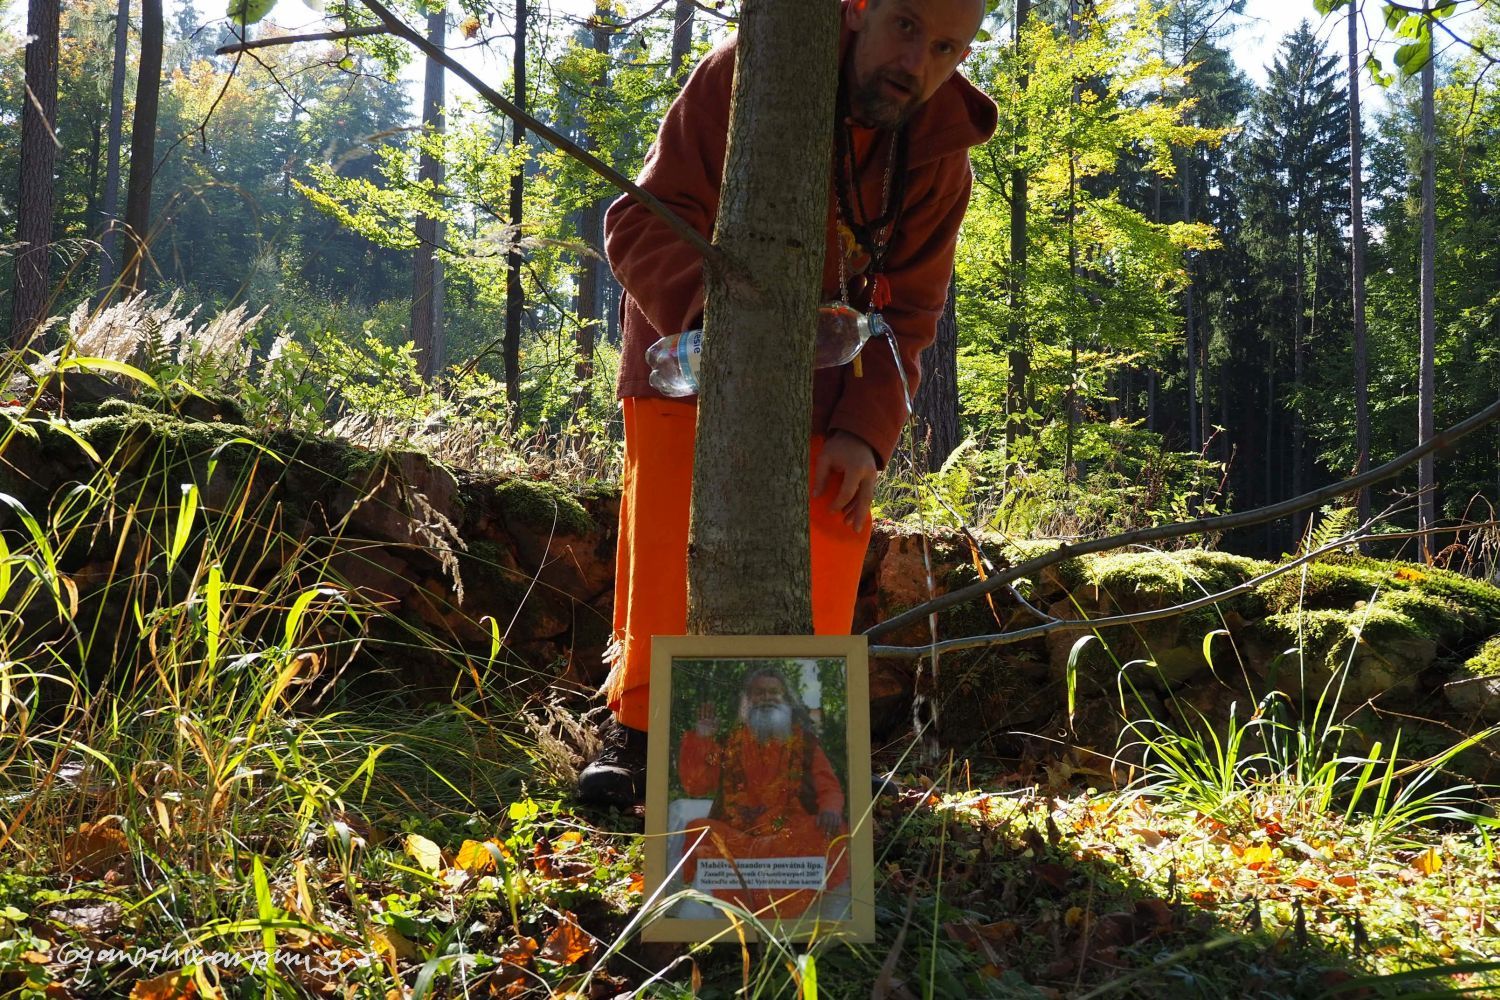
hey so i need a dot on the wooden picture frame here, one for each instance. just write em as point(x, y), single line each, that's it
point(748, 816)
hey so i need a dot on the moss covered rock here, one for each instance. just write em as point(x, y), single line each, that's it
point(1475, 688)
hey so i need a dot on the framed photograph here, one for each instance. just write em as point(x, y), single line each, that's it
point(758, 787)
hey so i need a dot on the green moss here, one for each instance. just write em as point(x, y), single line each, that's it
point(1173, 576)
point(542, 505)
point(1443, 606)
point(1486, 662)
point(1324, 634)
point(180, 439)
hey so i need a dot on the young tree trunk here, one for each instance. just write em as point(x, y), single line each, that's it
point(682, 36)
point(35, 193)
point(1426, 478)
point(749, 562)
point(1019, 356)
point(1357, 267)
point(109, 263)
point(143, 148)
point(514, 303)
point(935, 410)
point(426, 304)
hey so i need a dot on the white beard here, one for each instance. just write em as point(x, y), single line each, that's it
point(770, 722)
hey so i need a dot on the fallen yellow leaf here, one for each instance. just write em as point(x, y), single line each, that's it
point(478, 857)
point(172, 986)
point(427, 854)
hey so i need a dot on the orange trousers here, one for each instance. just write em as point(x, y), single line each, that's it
point(651, 558)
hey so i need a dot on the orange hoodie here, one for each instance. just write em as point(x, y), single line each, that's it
point(663, 277)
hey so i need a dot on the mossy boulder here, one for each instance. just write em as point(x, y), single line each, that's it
point(1130, 582)
point(1475, 688)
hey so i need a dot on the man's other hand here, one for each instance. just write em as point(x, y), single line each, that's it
point(830, 822)
point(847, 455)
point(708, 723)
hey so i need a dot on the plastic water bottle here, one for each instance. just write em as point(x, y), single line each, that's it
point(842, 332)
point(674, 363)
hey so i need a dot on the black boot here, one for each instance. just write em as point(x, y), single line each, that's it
point(617, 777)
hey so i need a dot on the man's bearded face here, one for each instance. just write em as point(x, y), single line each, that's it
point(904, 50)
point(766, 710)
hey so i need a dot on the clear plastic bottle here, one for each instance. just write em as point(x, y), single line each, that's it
point(842, 332)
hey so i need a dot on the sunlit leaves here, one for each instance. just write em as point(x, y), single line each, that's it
point(247, 12)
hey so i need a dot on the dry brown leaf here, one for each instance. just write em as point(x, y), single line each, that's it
point(568, 943)
point(519, 952)
point(172, 986)
point(96, 845)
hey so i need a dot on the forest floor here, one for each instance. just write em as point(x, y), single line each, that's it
point(994, 879)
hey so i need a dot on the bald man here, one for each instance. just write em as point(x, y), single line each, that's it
point(900, 184)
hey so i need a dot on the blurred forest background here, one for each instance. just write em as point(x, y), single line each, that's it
point(1158, 311)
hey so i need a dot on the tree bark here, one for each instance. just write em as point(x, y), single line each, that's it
point(514, 303)
point(143, 149)
point(748, 555)
point(109, 264)
point(591, 232)
point(1357, 266)
point(682, 36)
point(426, 303)
point(1427, 390)
point(1019, 357)
point(35, 194)
point(935, 410)
point(1195, 428)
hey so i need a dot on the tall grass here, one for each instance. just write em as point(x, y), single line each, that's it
point(180, 724)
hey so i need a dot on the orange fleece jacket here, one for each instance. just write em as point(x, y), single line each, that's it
point(663, 277)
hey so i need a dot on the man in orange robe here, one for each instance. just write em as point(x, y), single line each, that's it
point(775, 796)
point(906, 123)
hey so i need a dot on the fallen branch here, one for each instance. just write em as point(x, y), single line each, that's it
point(1226, 522)
point(1136, 617)
point(687, 233)
point(316, 36)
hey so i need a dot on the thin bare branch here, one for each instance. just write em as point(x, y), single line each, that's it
point(316, 36)
point(1200, 526)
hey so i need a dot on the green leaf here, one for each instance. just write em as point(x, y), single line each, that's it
point(186, 511)
point(1073, 655)
point(248, 12)
point(108, 365)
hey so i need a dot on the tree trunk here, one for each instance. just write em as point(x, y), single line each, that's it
point(1357, 268)
point(935, 416)
point(1195, 429)
point(109, 264)
point(1019, 358)
point(1426, 478)
point(426, 304)
point(591, 232)
point(35, 193)
point(143, 149)
point(682, 36)
point(749, 561)
point(514, 304)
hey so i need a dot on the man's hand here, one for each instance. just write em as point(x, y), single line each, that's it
point(830, 822)
point(708, 723)
point(849, 456)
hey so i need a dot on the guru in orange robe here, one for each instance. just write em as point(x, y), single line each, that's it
point(759, 809)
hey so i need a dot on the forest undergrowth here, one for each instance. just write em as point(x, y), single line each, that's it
point(199, 798)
